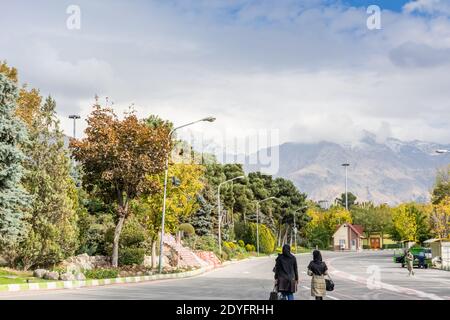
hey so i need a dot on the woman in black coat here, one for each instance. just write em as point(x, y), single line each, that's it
point(286, 273)
point(317, 269)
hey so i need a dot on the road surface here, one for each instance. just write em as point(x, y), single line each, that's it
point(252, 279)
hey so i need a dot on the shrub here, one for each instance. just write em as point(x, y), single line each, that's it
point(228, 252)
point(392, 246)
point(247, 232)
point(250, 248)
point(207, 243)
point(241, 243)
point(130, 256)
point(266, 240)
point(186, 228)
point(133, 234)
point(101, 273)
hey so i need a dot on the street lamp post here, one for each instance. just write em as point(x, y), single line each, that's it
point(219, 214)
point(257, 222)
point(75, 117)
point(295, 226)
point(169, 138)
point(346, 165)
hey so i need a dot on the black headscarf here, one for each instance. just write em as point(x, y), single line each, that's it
point(317, 256)
point(287, 251)
point(317, 266)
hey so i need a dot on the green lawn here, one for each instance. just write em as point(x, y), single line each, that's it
point(8, 276)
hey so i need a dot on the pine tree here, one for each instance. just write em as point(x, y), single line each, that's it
point(53, 232)
point(202, 220)
point(13, 198)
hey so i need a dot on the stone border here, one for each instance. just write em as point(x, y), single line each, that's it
point(99, 282)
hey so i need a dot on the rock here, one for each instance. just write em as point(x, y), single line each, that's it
point(147, 261)
point(39, 273)
point(80, 277)
point(85, 262)
point(68, 276)
point(51, 275)
point(139, 273)
point(3, 261)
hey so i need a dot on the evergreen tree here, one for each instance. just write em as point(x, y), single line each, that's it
point(202, 220)
point(13, 198)
point(52, 219)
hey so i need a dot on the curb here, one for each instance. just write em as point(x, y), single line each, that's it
point(99, 282)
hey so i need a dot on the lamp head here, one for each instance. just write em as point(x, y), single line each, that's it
point(209, 119)
point(346, 164)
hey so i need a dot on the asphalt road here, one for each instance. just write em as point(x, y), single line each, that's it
point(252, 279)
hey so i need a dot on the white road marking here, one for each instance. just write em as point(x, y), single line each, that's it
point(331, 297)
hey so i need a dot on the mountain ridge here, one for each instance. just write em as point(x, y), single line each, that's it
point(392, 171)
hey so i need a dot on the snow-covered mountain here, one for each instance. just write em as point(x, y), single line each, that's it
point(392, 171)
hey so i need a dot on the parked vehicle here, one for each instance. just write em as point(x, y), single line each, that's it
point(422, 257)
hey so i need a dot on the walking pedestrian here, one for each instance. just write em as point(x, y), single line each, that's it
point(286, 273)
point(317, 269)
point(409, 259)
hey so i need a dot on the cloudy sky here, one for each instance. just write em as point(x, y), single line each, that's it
point(308, 69)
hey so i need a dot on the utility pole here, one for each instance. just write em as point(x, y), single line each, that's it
point(257, 221)
point(75, 117)
point(219, 213)
point(295, 226)
point(169, 138)
point(346, 165)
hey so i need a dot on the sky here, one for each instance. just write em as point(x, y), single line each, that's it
point(300, 71)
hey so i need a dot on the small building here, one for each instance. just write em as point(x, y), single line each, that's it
point(348, 237)
point(376, 240)
point(440, 253)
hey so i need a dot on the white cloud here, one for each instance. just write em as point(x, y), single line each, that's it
point(314, 72)
point(428, 6)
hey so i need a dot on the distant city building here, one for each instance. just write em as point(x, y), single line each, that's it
point(324, 204)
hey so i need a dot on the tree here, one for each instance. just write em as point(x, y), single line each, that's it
point(372, 218)
point(440, 218)
point(410, 223)
point(323, 224)
point(53, 233)
point(201, 220)
point(350, 197)
point(117, 156)
point(13, 198)
point(442, 186)
point(182, 190)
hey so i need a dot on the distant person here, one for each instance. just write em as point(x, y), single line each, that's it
point(286, 273)
point(421, 258)
point(409, 259)
point(317, 269)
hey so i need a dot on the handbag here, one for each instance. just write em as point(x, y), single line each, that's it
point(329, 284)
point(274, 293)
